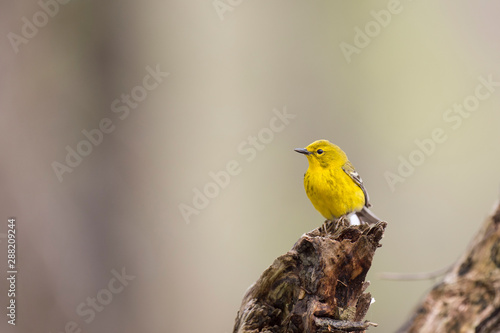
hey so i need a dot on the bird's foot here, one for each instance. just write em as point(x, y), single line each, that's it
point(330, 226)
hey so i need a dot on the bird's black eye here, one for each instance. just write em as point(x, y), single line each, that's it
point(319, 151)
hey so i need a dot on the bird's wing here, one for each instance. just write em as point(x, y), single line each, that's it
point(351, 172)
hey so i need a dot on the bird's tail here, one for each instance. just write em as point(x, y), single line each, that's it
point(367, 216)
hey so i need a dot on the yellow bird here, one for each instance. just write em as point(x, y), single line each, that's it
point(333, 185)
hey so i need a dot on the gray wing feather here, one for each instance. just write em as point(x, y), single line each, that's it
point(351, 172)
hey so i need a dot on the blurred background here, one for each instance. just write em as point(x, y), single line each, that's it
point(147, 148)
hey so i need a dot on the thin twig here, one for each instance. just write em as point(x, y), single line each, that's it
point(415, 276)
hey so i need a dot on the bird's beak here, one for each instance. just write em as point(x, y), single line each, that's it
point(302, 151)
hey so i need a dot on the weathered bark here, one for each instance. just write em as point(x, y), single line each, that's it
point(468, 299)
point(318, 286)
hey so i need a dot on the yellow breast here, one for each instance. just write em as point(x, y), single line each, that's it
point(332, 192)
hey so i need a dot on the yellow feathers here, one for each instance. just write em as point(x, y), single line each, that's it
point(332, 184)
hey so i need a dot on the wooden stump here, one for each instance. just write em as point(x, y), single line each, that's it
point(468, 298)
point(317, 286)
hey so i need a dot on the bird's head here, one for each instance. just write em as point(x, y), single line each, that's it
point(323, 153)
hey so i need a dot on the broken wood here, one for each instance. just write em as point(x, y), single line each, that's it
point(468, 298)
point(317, 286)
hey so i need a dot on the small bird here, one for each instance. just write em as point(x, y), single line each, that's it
point(333, 185)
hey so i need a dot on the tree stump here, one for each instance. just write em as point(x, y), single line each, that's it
point(317, 286)
point(468, 298)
